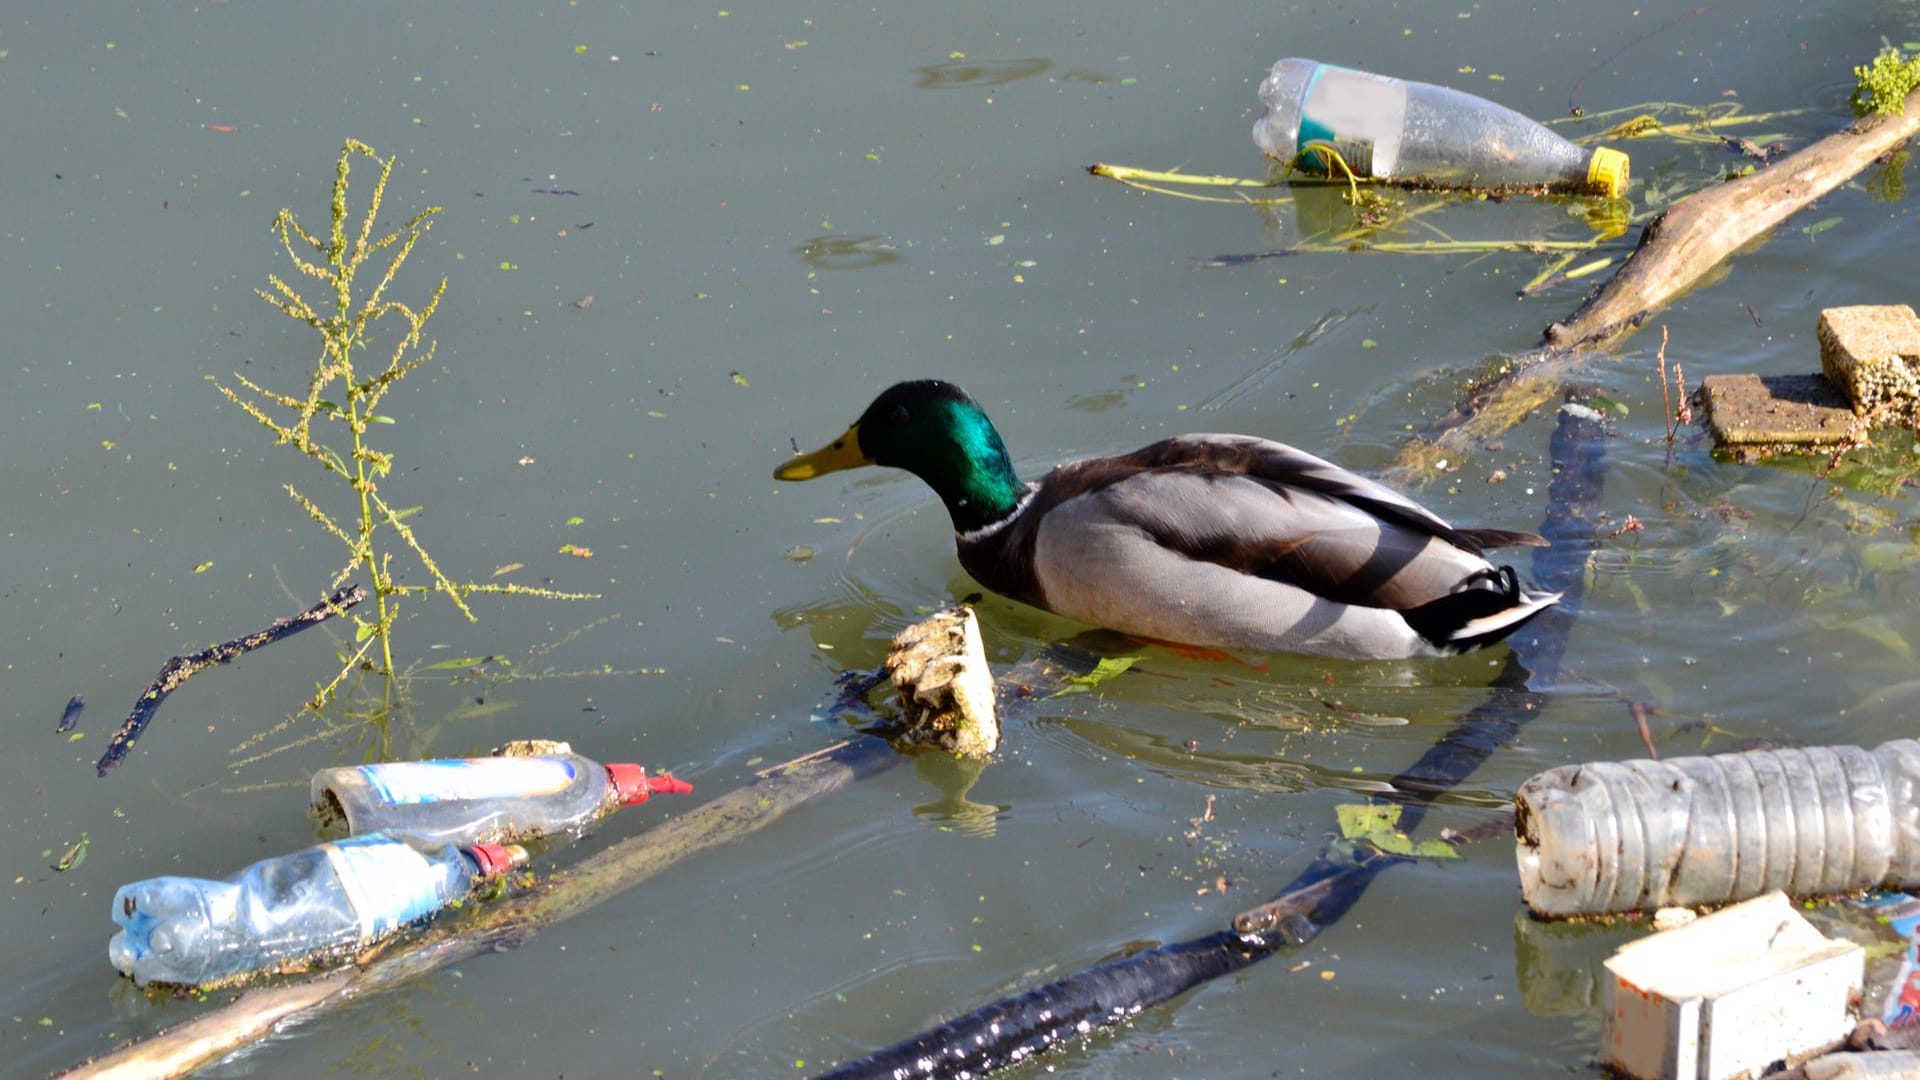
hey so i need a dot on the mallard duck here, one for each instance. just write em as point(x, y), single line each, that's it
point(1226, 541)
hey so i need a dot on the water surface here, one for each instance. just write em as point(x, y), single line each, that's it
point(776, 212)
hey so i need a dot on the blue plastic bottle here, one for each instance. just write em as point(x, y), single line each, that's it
point(324, 899)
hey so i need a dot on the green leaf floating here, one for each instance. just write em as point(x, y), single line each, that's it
point(1377, 824)
point(1106, 669)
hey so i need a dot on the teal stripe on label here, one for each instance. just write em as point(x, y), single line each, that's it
point(1311, 129)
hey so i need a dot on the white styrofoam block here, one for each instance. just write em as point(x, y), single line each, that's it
point(1728, 995)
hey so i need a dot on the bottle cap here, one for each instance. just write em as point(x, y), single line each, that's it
point(632, 785)
point(629, 784)
point(496, 859)
point(1607, 172)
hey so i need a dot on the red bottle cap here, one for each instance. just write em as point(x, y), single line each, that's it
point(629, 783)
point(632, 784)
point(496, 859)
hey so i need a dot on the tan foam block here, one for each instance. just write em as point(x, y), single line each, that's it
point(1872, 353)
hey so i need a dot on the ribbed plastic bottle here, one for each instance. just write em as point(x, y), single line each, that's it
point(474, 800)
point(1636, 835)
point(319, 901)
point(1419, 134)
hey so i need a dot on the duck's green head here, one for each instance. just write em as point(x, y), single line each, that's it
point(935, 431)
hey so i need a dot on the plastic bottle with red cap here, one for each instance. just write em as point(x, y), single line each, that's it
point(315, 904)
point(475, 800)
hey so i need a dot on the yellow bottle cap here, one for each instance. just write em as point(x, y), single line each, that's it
point(1607, 172)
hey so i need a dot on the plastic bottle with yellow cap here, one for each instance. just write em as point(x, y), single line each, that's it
point(1418, 134)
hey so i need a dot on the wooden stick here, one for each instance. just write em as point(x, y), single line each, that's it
point(207, 1038)
point(1678, 250)
point(1691, 237)
point(181, 668)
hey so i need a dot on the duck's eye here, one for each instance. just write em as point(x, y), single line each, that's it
point(126, 905)
point(899, 415)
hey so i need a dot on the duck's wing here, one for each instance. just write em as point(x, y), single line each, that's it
point(1271, 511)
point(1289, 467)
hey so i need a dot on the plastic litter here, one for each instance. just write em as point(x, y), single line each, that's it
point(317, 902)
point(1622, 836)
point(1727, 995)
point(1901, 913)
point(1417, 133)
point(472, 800)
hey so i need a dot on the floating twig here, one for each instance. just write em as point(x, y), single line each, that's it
point(180, 668)
point(1155, 180)
point(1127, 174)
point(1666, 403)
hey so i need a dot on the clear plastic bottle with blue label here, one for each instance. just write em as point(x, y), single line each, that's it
point(475, 800)
point(1419, 134)
point(312, 904)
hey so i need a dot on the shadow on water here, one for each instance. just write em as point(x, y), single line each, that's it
point(962, 74)
point(848, 252)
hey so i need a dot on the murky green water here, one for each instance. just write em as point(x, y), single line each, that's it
point(820, 201)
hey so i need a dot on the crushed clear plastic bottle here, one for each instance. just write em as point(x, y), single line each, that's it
point(1417, 133)
point(1637, 835)
point(313, 903)
point(474, 800)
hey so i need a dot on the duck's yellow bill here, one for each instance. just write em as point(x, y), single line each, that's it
point(841, 453)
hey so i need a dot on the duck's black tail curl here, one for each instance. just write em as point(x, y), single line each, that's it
point(1485, 607)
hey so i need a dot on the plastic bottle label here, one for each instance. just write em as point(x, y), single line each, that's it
point(388, 883)
point(406, 782)
point(1358, 115)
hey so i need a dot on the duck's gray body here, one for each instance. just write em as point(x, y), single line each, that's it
point(1245, 543)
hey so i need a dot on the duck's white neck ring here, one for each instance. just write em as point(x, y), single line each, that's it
point(984, 531)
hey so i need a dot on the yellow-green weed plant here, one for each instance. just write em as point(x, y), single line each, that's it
point(348, 387)
point(1885, 83)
